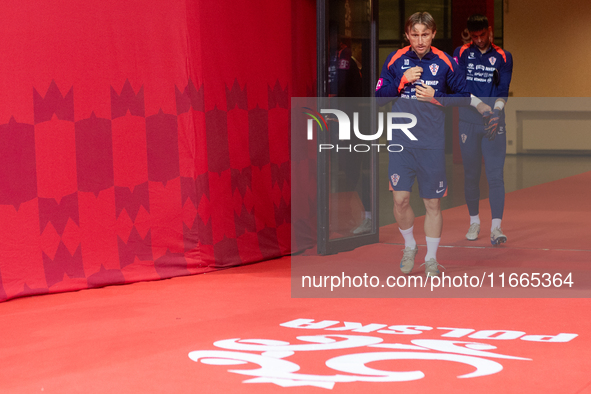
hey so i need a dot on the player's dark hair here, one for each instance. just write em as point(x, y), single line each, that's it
point(423, 18)
point(477, 22)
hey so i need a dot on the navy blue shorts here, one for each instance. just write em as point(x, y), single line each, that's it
point(427, 165)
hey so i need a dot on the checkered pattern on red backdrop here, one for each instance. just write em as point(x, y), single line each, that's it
point(140, 144)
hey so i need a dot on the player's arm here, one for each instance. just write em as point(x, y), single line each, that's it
point(387, 85)
point(392, 81)
point(480, 106)
point(505, 73)
point(494, 116)
point(456, 82)
point(460, 62)
point(475, 102)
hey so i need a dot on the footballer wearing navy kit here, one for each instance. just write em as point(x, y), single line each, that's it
point(487, 70)
point(418, 75)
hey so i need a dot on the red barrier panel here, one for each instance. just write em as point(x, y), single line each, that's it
point(141, 141)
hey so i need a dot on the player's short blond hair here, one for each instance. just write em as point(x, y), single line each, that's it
point(423, 18)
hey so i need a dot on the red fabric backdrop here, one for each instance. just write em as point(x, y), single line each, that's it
point(145, 139)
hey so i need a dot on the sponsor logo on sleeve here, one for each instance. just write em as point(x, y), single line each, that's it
point(380, 83)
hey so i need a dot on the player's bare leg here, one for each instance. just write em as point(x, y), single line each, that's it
point(433, 218)
point(405, 218)
point(403, 212)
point(433, 228)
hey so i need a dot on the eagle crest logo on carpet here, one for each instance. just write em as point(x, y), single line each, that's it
point(364, 346)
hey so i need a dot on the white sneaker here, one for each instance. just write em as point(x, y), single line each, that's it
point(408, 259)
point(364, 227)
point(497, 237)
point(431, 267)
point(473, 232)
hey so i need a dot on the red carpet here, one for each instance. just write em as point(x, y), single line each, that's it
point(554, 215)
point(137, 338)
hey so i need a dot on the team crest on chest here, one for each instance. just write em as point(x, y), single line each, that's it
point(464, 137)
point(492, 60)
point(434, 68)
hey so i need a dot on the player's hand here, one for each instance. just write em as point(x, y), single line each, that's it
point(492, 123)
point(413, 73)
point(483, 108)
point(424, 92)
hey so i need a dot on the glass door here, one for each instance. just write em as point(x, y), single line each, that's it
point(347, 173)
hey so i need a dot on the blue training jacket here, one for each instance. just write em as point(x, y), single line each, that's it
point(487, 75)
point(439, 72)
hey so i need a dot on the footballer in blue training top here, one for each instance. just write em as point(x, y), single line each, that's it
point(487, 70)
point(420, 76)
point(438, 73)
